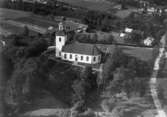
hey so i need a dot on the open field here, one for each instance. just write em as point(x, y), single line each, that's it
point(163, 71)
point(141, 53)
point(162, 82)
point(36, 21)
point(10, 29)
point(12, 14)
point(125, 13)
point(14, 22)
point(4, 31)
point(99, 5)
point(7, 29)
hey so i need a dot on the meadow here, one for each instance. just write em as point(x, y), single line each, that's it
point(24, 18)
point(12, 14)
point(36, 21)
point(99, 5)
point(142, 53)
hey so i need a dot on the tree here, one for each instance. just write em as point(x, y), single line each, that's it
point(36, 47)
point(26, 31)
point(79, 96)
point(123, 4)
point(86, 73)
point(82, 87)
point(105, 24)
point(161, 94)
point(19, 87)
point(134, 38)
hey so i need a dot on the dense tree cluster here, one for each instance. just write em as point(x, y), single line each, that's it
point(21, 54)
point(82, 87)
point(136, 3)
point(144, 26)
point(33, 72)
point(125, 72)
point(102, 38)
point(125, 78)
point(158, 2)
point(98, 20)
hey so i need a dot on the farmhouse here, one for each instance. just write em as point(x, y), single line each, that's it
point(76, 52)
point(148, 41)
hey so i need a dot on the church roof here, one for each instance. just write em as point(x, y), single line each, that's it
point(61, 33)
point(73, 25)
point(81, 48)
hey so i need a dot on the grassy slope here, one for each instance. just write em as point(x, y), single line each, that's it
point(23, 17)
point(141, 53)
point(100, 5)
point(144, 54)
point(37, 21)
point(162, 83)
point(12, 14)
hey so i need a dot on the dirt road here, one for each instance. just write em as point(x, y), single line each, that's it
point(153, 79)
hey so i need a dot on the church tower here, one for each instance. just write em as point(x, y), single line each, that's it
point(60, 25)
point(60, 40)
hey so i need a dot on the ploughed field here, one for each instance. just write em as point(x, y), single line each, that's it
point(13, 21)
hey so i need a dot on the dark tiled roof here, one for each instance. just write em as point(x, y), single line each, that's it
point(61, 33)
point(81, 48)
point(74, 25)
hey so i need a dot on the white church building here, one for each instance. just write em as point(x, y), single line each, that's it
point(75, 52)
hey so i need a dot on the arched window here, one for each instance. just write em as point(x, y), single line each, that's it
point(70, 56)
point(87, 58)
point(59, 53)
point(94, 59)
point(81, 57)
point(65, 56)
point(59, 39)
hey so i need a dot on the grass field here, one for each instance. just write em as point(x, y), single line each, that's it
point(37, 21)
point(125, 13)
point(10, 29)
point(162, 82)
point(99, 5)
point(25, 18)
point(163, 71)
point(12, 14)
point(7, 29)
point(141, 53)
